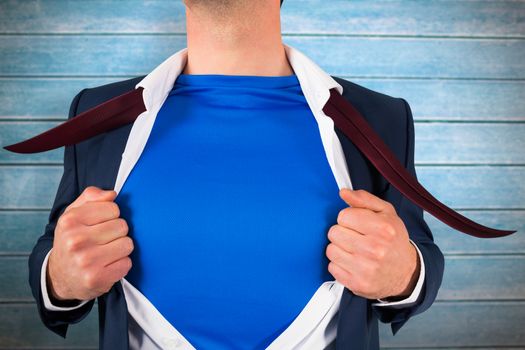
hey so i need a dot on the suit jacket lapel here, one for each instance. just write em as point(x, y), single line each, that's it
point(355, 322)
point(110, 156)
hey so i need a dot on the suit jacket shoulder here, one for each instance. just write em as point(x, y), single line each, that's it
point(96, 95)
point(98, 157)
point(390, 117)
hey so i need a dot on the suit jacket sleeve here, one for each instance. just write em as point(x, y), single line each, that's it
point(420, 234)
point(67, 192)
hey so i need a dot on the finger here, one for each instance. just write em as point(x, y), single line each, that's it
point(92, 193)
point(341, 275)
point(118, 269)
point(339, 256)
point(365, 199)
point(353, 242)
point(92, 213)
point(349, 240)
point(353, 280)
point(364, 221)
point(107, 231)
point(115, 250)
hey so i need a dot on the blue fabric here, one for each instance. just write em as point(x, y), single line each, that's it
point(229, 205)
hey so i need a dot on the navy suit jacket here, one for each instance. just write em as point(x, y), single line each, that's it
point(95, 162)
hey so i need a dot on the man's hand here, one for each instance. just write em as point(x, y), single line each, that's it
point(370, 252)
point(90, 248)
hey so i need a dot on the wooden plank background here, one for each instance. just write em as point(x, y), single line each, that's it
point(460, 65)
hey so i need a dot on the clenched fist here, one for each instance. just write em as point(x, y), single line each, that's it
point(91, 247)
point(370, 252)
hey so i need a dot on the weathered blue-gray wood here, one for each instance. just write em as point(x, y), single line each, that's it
point(42, 98)
point(28, 187)
point(451, 242)
point(19, 231)
point(467, 278)
point(445, 18)
point(16, 131)
point(457, 100)
point(20, 327)
point(462, 324)
point(436, 143)
point(461, 100)
point(457, 62)
point(466, 143)
point(474, 187)
point(484, 278)
point(66, 55)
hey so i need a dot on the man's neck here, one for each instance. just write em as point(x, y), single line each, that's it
point(239, 45)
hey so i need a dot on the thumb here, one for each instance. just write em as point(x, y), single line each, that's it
point(364, 199)
point(91, 194)
point(348, 195)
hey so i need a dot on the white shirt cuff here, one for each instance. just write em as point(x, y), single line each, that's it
point(417, 289)
point(43, 286)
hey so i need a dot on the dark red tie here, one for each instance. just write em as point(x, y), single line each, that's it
point(125, 108)
point(118, 111)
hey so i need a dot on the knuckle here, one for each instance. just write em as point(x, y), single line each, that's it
point(339, 216)
point(72, 244)
point(89, 192)
point(331, 267)
point(90, 188)
point(330, 254)
point(379, 252)
point(343, 215)
point(124, 228)
point(388, 229)
point(127, 265)
point(114, 209)
point(90, 280)
point(83, 260)
point(128, 245)
point(67, 221)
point(332, 232)
point(333, 254)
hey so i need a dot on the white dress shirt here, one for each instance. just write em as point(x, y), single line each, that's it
point(315, 327)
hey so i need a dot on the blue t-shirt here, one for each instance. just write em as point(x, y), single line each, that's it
point(229, 206)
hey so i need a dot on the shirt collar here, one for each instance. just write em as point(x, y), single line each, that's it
point(315, 83)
